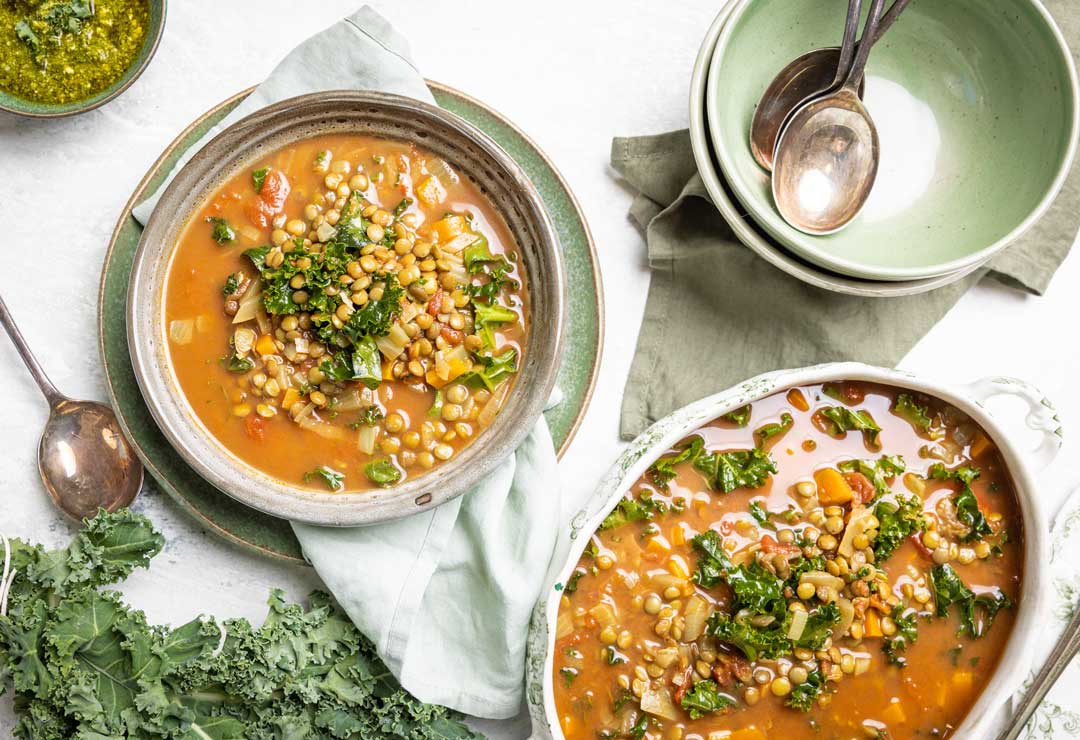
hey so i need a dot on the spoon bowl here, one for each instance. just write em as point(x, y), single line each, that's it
point(806, 77)
point(85, 461)
point(826, 164)
point(826, 160)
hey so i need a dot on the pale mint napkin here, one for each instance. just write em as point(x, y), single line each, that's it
point(445, 595)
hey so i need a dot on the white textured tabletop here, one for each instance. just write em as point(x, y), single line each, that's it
point(572, 75)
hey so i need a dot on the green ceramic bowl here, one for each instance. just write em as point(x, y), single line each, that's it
point(31, 109)
point(975, 102)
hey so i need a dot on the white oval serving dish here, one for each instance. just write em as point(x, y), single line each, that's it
point(971, 399)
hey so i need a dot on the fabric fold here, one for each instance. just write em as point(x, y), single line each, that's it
point(732, 315)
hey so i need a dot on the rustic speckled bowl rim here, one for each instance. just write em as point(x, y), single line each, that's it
point(268, 494)
point(742, 223)
point(132, 73)
point(807, 245)
point(971, 399)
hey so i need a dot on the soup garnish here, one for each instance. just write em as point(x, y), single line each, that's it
point(839, 559)
point(63, 51)
point(346, 314)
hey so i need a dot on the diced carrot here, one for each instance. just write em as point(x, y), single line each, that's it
point(832, 488)
point(291, 396)
point(796, 398)
point(457, 369)
point(677, 566)
point(678, 535)
point(894, 714)
point(387, 369)
point(448, 227)
point(255, 427)
point(430, 191)
point(872, 624)
point(658, 545)
point(265, 345)
point(981, 445)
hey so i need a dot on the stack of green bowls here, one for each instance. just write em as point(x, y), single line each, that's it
point(975, 102)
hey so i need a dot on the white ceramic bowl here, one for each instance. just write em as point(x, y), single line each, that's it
point(970, 399)
point(744, 226)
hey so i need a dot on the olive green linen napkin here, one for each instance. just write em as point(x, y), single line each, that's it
point(717, 313)
point(446, 595)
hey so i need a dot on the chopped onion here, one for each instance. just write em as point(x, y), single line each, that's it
point(847, 616)
point(491, 408)
point(250, 233)
point(304, 413)
point(321, 428)
point(365, 440)
point(604, 614)
point(349, 401)
point(182, 331)
point(301, 344)
point(696, 615)
point(858, 524)
point(441, 170)
point(394, 343)
point(564, 626)
point(458, 243)
point(262, 319)
point(202, 323)
point(799, 618)
point(249, 303)
point(409, 312)
point(657, 702)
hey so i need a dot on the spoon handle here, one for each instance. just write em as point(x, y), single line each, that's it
point(847, 46)
point(52, 395)
point(890, 18)
point(1064, 651)
point(855, 75)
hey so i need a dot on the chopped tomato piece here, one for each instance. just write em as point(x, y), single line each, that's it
point(275, 190)
point(258, 212)
point(687, 682)
point(435, 304)
point(255, 427)
point(770, 545)
point(916, 539)
point(451, 335)
point(861, 487)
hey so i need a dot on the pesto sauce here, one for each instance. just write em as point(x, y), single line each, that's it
point(64, 51)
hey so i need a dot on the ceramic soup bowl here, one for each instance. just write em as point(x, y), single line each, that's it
point(394, 117)
point(971, 399)
point(975, 102)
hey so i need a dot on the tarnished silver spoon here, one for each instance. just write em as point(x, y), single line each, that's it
point(813, 74)
point(826, 160)
point(1068, 645)
point(83, 457)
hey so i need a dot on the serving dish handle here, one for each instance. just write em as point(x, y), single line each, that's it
point(1041, 416)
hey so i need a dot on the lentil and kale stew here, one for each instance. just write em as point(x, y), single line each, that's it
point(348, 313)
point(63, 51)
point(837, 561)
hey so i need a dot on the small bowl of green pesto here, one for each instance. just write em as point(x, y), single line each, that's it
point(62, 57)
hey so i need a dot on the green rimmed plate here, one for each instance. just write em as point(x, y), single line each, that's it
point(265, 534)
